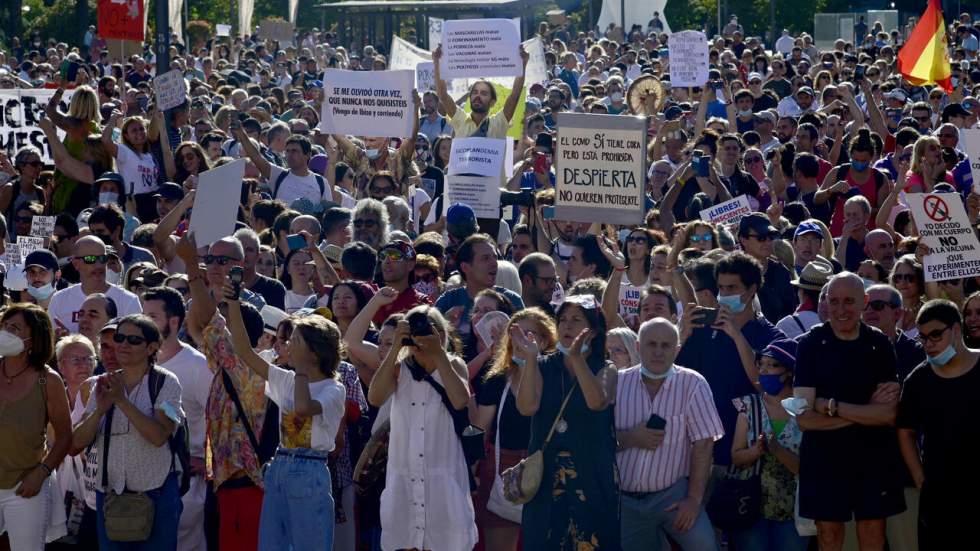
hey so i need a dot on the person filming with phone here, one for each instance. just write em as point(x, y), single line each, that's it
point(666, 426)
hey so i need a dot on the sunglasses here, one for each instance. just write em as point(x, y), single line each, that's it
point(23, 219)
point(134, 340)
point(220, 259)
point(35, 164)
point(758, 237)
point(753, 160)
point(386, 190)
point(932, 336)
point(705, 238)
point(182, 290)
point(428, 278)
point(365, 223)
point(908, 278)
point(638, 239)
point(94, 258)
point(879, 305)
point(391, 254)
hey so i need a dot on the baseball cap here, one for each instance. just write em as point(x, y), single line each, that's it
point(896, 94)
point(955, 110)
point(767, 116)
point(757, 222)
point(461, 220)
point(406, 249)
point(806, 227)
point(754, 76)
point(43, 258)
point(783, 351)
point(170, 191)
point(806, 90)
point(970, 102)
point(111, 177)
point(272, 317)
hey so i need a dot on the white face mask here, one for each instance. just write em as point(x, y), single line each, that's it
point(616, 97)
point(373, 153)
point(108, 198)
point(112, 277)
point(10, 344)
point(43, 292)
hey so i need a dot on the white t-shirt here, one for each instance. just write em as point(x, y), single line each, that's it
point(629, 301)
point(66, 303)
point(329, 392)
point(295, 301)
point(191, 369)
point(138, 171)
point(789, 326)
point(294, 187)
point(417, 199)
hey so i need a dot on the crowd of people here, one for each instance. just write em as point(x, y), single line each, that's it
point(362, 365)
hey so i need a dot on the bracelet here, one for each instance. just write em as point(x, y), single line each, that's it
point(832, 407)
point(47, 469)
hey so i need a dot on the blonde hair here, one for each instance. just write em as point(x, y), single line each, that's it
point(323, 339)
point(919, 151)
point(69, 340)
point(84, 105)
point(125, 126)
point(502, 363)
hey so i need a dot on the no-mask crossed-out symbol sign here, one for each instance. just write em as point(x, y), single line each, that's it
point(935, 208)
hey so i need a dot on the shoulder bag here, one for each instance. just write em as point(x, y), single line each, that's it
point(736, 503)
point(129, 515)
point(498, 503)
point(521, 482)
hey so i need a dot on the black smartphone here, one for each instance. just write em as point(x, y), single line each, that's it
point(656, 422)
point(709, 316)
point(859, 72)
point(236, 275)
point(701, 166)
point(295, 241)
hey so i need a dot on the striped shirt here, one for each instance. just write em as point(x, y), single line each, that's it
point(686, 403)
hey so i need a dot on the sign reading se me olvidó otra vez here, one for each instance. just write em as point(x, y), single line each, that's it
point(944, 227)
point(600, 163)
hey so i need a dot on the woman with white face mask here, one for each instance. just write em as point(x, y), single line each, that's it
point(31, 397)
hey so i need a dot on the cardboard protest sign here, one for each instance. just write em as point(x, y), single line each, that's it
point(170, 89)
point(435, 31)
point(27, 244)
point(944, 227)
point(122, 19)
point(688, 58)
point(482, 156)
point(481, 193)
point(277, 29)
point(480, 48)
point(971, 143)
point(368, 103)
point(223, 30)
point(729, 212)
point(213, 215)
point(600, 165)
point(20, 111)
point(425, 76)
point(42, 226)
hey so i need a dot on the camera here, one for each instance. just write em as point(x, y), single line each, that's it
point(418, 326)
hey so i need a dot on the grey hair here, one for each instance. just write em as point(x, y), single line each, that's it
point(375, 208)
point(507, 276)
point(69, 340)
point(233, 241)
point(399, 213)
point(861, 200)
point(894, 296)
point(629, 339)
point(247, 234)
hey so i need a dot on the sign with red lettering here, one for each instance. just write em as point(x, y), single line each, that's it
point(944, 227)
point(121, 19)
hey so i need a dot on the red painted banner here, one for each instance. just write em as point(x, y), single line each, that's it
point(121, 19)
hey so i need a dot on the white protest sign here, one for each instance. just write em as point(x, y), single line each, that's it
point(481, 193)
point(11, 257)
point(42, 226)
point(480, 48)
point(536, 71)
point(277, 29)
point(368, 103)
point(170, 89)
point(944, 227)
point(688, 58)
point(15, 279)
point(27, 245)
point(600, 168)
point(223, 30)
point(729, 212)
point(213, 215)
point(20, 111)
point(971, 143)
point(481, 156)
point(435, 31)
point(425, 76)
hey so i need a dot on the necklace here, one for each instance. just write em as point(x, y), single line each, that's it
point(562, 425)
point(10, 378)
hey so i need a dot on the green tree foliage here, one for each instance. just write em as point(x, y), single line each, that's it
point(65, 21)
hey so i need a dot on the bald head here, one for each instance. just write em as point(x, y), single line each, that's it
point(658, 345)
point(88, 245)
point(879, 246)
point(846, 282)
point(846, 300)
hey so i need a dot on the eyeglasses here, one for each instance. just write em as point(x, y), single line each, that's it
point(753, 160)
point(908, 278)
point(134, 340)
point(79, 359)
point(365, 223)
point(427, 277)
point(760, 238)
point(548, 280)
point(386, 190)
point(182, 290)
point(932, 336)
point(23, 219)
point(34, 164)
point(638, 239)
point(220, 259)
point(94, 258)
point(706, 237)
point(879, 305)
point(664, 173)
point(393, 255)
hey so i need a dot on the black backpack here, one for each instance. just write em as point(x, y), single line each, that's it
point(282, 176)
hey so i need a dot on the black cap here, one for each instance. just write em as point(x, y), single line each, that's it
point(43, 258)
point(543, 141)
point(758, 222)
point(170, 191)
point(112, 177)
point(955, 110)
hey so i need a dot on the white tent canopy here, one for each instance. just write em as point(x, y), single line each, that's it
point(638, 12)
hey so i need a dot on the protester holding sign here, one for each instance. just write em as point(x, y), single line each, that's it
point(136, 163)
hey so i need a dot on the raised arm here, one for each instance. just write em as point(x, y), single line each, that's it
point(51, 110)
point(260, 162)
point(876, 119)
point(168, 155)
point(599, 389)
point(515, 94)
point(239, 336)
point(529, 388)
point(70, 166)
point(202, 306)
point(610, 296)
point(110, 145)
point(445, 100)
point(386, 378)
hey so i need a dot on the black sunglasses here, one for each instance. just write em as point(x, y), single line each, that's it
point(879, 305)
point(134, 340)
point(220, 259)
point(94, 258)
point(365, 223)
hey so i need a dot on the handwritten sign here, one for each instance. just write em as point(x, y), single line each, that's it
point(600, 167)
point(425, 76)
point(223, 30)
point(481, 193)
point(944, 227)
point(27, 245)
point(729, 212)
point(688, 58)
point(42, 226)
point(20, 112)
point(368, 103)
point(277, 29)
point(481, 156)
point(170, 89)
point(480, 48)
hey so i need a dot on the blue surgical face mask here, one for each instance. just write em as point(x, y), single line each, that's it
point(43, 292)
point(373, 153)
point(943, 357)
point(860, 165)
point(566, 350)
point(733, 302)
point(108, 198)
point(657, 376)
point(518, 361)
point(772, 384)
point(868, 282)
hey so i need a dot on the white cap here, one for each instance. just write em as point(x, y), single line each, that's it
point(272, 317)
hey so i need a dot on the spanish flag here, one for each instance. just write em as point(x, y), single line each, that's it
point(924, 58)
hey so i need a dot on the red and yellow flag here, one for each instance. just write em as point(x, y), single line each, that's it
point(924, 58)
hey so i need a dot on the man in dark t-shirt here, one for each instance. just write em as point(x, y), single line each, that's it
point(849, 458)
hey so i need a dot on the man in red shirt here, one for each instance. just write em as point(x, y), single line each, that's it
point(397, 265)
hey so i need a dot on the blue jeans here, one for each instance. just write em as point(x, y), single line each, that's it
point(770, 535)
point(644, 522)
point(297, 510)
point(167, 508)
